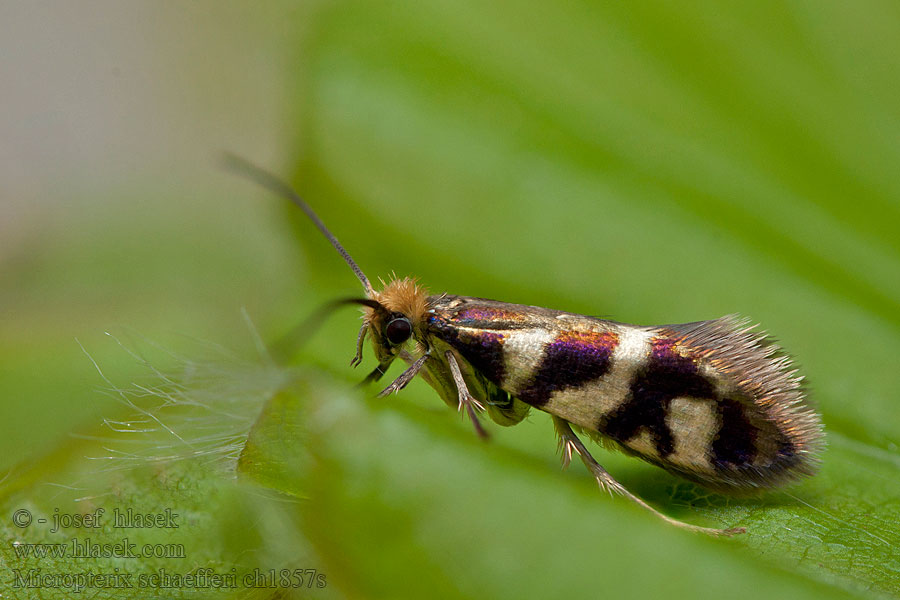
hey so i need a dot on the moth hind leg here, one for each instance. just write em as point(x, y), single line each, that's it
point(569, 443)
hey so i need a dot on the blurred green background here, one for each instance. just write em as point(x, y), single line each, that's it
point(651, 162)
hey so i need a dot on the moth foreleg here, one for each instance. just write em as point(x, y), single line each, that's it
point(466, 400)
point(570, 443)
point(405, 377)
point(360, 339)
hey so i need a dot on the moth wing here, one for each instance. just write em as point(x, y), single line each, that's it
point(766, 431)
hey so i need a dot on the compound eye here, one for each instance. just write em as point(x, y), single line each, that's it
point(398, 330)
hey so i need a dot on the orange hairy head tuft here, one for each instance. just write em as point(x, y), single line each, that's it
point(404, 296)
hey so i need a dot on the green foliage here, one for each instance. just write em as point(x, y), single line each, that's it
point(650, 162)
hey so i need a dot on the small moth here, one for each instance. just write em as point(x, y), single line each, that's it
point(715, 402)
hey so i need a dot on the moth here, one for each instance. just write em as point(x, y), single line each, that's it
point(716, 402)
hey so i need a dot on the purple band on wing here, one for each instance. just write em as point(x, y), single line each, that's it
point(486, 316)
point(664, 354)
point(570, 360)
point(666, 375)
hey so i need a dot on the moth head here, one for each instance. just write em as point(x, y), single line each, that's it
point(398, 319)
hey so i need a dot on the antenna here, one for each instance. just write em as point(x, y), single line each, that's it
point(248, 170)
point(287, 344)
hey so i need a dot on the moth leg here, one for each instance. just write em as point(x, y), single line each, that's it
point(405, 377)
point(376, 373)
point(466, 399)
point(570, 443)
point(360, 339)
